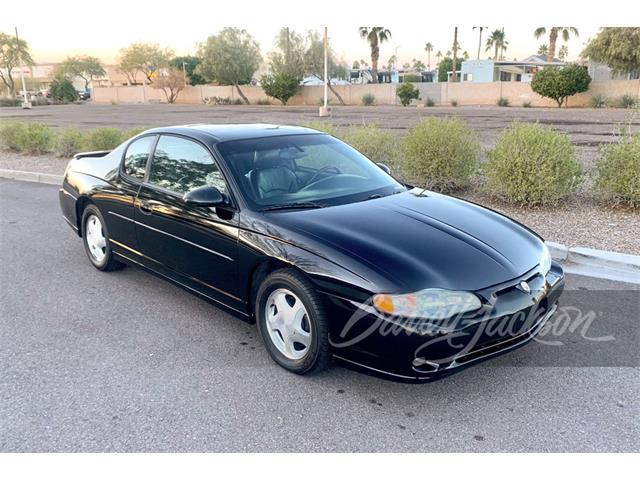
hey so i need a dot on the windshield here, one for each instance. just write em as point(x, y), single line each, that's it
point(303, 170)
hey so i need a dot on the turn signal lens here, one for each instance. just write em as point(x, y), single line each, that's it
point(429, 303)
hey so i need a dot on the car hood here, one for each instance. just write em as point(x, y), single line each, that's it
point(420, 239)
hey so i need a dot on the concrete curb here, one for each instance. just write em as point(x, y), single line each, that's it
point(582, 261)
point(597, 263)
point(49, 178)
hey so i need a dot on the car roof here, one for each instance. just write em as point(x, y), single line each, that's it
point(227, 132)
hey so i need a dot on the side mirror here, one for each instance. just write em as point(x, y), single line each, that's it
point(384, 168)
point(205, 197)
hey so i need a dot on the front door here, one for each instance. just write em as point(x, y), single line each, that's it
point(197, 246)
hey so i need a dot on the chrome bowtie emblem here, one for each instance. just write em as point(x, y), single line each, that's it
point(524, 286)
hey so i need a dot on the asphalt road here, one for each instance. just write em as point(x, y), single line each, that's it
point(127, 362)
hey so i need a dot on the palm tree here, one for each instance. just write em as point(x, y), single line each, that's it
point(566, 33)
point(563, 53)
point(497, 41)
point(479, 39)
point(543, 49)
point(375, 36)
point(392, 61)
point(448, 54)
point(439, 55)
point(456, 45)
point(465, 55)
point(428, 48)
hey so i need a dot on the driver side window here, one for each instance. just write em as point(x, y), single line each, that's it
point(181, 165)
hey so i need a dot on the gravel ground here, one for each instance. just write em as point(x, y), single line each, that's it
point(596, 226)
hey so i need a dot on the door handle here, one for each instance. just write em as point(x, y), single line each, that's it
point(145, 208)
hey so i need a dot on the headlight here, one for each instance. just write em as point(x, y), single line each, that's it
point(545, 260)
point(429, 303)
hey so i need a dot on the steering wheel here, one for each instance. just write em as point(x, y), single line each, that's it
point(326, 168)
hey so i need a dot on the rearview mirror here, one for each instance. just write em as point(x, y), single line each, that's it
point(384, 168)
point(205, 197)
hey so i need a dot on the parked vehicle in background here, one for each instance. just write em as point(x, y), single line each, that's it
point(84, 94)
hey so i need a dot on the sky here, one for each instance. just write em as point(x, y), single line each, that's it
point(101, 29)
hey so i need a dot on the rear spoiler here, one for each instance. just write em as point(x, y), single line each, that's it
point(96, 154)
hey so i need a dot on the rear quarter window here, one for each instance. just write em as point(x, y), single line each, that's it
point(136, 156)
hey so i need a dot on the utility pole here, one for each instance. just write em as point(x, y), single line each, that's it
point(25, 100)
point(324, 110)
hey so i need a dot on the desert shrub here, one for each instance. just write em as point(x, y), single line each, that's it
point(526, 104)
point(103, 138)
point(9, 102)
point(26, 137)
point(133, 132)
point(429, 102)
point(368, 99)
point(532, 165)
point(503, 102)
point(62, 90)
point(68, 142)
point(454, 103)
point(377, 144)
point(263, 101)
point(281, 85)
point(627, 101)
point(407, 92)
point(598, 101)
point(325, 127)
point(440, 153)
point(617, 173)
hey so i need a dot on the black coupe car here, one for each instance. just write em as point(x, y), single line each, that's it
point(322, 248)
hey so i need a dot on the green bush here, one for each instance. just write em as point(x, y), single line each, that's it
point(26, 137)
point(104, 138)
point(617, 173)
point(325, 127)
point(598, 101)
point(9, 102)
point(532, 165)
point(430, 102)
point(503, 102)
point(68, 142)
point(133, 132)
point(62, 90)
point(368, 99)
point(407, 92)
point(627, 101)
point(282, 86)
point(379, 145)
point(440, 153)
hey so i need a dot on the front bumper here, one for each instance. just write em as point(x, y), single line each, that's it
point(402, 352)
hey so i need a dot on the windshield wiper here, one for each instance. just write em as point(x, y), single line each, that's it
point(379, 195)
point(285, 206)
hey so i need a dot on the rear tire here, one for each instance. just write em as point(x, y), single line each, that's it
point(292, 322)
point(95, 238)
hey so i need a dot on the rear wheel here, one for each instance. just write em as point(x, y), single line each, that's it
point(96, 240)
point(292, 323)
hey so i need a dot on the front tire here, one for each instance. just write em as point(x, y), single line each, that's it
point(95, 237)
point(292, 323)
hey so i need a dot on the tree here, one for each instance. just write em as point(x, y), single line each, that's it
point(439, 56)
point(445, 66)
point(559, 84)
point(497, 40)
point(428, 48)
point(13, 53)
point(479, 39)
point(465, 55)
point(288, 56)
point(356, 65)
point(171, 81)
point(375, 36)
point(617, 47)
point(280, 85)
point(454, 76)
point(231, 58)
point(62, 90)
point(145, 58)
point(543, 50)
point(566, 33)
point(189, 63)
point(418, 65)
point(563, 53)
point(407, 92)
point(84, 67)
point(314, 62)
